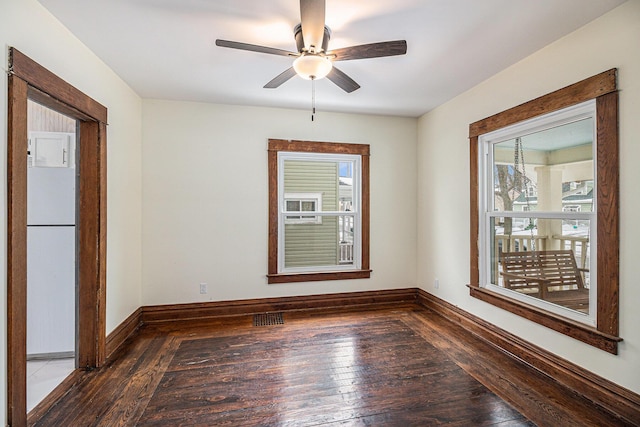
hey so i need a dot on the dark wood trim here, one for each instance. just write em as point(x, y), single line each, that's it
point(47, 82)
point(576, 330)
point(608, 207)
point(612, 398)
point(590, 88)
point(365, 212)
point(277, 145)
point(168, 313)
point(26, 79)
point(99, 210)
point(128, 328)
point(474, 214)
point(602, 88)
point(273, 211)
point(317, 277)
point(89, 239)
point(17, 252)
point(52, 103)
point(318, 147)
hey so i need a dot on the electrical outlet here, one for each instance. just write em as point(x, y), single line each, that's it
point(203, 288)
point(436, 284)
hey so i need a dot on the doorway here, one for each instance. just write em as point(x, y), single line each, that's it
point(30, 81)
point(51, 250)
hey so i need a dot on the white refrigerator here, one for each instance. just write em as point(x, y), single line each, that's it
point(51, 245)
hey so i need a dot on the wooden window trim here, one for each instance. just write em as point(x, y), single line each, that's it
point(277, 145)
point(603, 88)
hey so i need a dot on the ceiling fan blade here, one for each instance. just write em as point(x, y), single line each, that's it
point(312, 20)
point(343, 81)
point(254, 48)
point(372, 50)
point(281, 78)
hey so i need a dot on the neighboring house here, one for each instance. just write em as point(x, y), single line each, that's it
point(576, 197)
point(314, 239)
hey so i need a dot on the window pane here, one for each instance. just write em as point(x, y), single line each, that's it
point(346, 227)
point(550, 170)
point(293, 205)
point(543, 258)
point(310, 176)
point(308, 206)
point(346, 187)
point(311, 245)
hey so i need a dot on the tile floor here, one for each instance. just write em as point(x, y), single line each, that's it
point(45, 375)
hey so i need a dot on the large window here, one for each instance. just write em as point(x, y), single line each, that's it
point(544, 232)
point(538, 197)
point(319, 211)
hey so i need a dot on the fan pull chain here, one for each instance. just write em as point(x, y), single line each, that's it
point(313, 97)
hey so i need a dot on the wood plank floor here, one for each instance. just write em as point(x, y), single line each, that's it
point(395, 366)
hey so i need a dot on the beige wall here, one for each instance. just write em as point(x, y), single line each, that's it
point(205, 198)
point(443, 181)
point(194, 207)
point(26, 25)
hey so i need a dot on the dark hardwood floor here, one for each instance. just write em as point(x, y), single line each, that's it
point(394, 366)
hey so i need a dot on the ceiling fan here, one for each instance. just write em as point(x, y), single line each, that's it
point(313, 60)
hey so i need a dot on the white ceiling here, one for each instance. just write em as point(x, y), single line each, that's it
point(165, 48)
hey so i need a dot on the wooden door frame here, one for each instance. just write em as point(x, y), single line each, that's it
point(29, 80)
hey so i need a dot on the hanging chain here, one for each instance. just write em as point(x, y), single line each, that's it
point(517, 177)
point(313, 97)
point(521, 182)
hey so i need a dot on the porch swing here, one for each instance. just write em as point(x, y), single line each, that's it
point(550, 275)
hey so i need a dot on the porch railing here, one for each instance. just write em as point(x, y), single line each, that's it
point(346, 253)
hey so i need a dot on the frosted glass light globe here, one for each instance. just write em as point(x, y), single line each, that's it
point(310, 66)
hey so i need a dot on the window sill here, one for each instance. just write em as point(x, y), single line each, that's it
point(584, 333)
point(315, 276)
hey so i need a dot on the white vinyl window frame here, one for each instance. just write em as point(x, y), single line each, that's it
point(488, 212)
point(301, 216)
point(355, 211)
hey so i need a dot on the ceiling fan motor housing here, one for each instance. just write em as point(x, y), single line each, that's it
point(297, 32)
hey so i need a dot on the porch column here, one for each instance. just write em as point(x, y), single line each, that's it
point(549, 199)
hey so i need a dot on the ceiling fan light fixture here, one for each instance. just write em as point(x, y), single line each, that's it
point(312, 67)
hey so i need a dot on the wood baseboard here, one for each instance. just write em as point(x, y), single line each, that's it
point(612, 398)
point(170, 313)
point(124, 330)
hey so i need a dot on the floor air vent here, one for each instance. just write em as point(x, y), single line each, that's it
point(266, 319)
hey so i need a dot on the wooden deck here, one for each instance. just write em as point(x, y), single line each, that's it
point(395, 366)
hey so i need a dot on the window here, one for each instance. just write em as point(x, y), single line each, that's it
point(544, 226)
point(542, 156)
point(301, 203)
point(331, 181)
